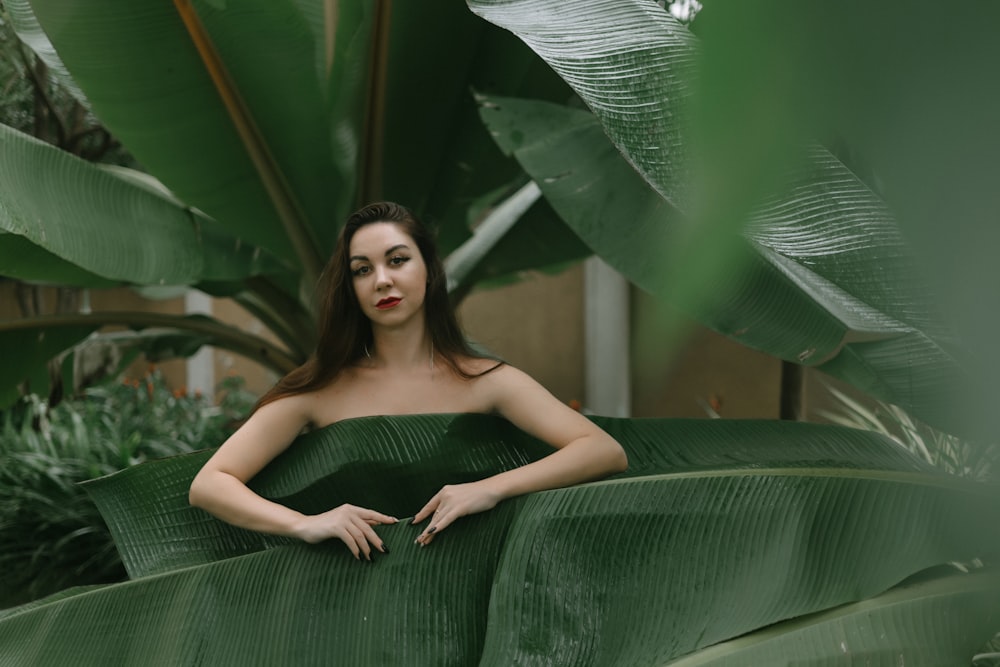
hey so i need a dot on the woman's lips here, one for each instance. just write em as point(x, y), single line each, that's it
point(385, 304)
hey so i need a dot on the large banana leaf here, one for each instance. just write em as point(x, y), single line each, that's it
point(717, 530)
point(145, 79)
point(24, 260)
point(107, 225)
point(269, 121)
point(761, 78)
point(331, 106)
point(839, 292)
point(820, 275)
point(939, 621)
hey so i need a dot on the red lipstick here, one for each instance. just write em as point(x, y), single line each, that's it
point(388, 302)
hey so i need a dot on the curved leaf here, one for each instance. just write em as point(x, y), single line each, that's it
point(333, 465)
point(225, 257)
point(296, 605)
point(827, 279)
point(145, 79)
point(631, 62)
point(746, 530)
point(186, 328)
point(140, 237)
point(936, 621)
point(728, 542)
point(596, 574)
point(827, 233)
point(108, 225)
point(22, 259)
point(22, 19)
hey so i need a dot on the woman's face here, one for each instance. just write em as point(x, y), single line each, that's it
point(389, 274)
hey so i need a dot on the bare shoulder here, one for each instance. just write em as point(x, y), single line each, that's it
point(296, 410)
point(503, 383)
point(480, 366)
point(264, 435)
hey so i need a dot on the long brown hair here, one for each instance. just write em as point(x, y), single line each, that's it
point(344, 330)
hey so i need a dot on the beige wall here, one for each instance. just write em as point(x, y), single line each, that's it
point(679, 368)
point(535, 325)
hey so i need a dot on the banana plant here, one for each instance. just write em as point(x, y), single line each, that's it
point(260, 128)
point(712, 194)
point(725, 543)
point(268, 189)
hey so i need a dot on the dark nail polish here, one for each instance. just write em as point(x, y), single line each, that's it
point(432, 530)
point(385, 549)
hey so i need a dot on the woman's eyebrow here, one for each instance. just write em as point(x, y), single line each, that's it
point(362, 258)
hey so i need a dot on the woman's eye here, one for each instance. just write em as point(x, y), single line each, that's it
point(398, 259)
point(360, 271)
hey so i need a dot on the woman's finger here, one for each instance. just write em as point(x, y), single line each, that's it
point(431, 505)
point(373, 517)
point(371, 537)
point(441, 521)
point(362, 546)
point(351, 543)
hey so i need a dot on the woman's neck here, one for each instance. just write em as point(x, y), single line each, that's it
point(401, 350)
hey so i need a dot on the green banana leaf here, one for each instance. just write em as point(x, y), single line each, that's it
point(38, 339)
point(939, 621)
point(938, 177)
point(718, 529)
point(147, 83)
point(26, 261)
point(314, 108)
point(34, 346)
point(108, 225)
point(30, 33)
point(808, 293)
point(329, 114)
point(819, 274)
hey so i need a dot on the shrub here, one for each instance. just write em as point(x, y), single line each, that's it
point(52, 534)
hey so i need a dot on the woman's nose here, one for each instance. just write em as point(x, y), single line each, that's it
point(382, 277)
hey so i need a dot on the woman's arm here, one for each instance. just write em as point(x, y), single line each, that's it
point(584, 451)
point(220, 487)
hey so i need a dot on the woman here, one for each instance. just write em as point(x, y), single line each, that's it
point(389, 344)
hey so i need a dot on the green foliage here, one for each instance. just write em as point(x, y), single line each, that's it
point(726, 542)
point(52, 534)
point(943, 450)
point(36, 101)
point(329, 118)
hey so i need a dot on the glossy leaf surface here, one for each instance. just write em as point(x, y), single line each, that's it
point(733, 526)
point(821, 275)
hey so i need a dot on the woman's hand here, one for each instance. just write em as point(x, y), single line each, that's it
point(352, 525)
point(452, 502)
